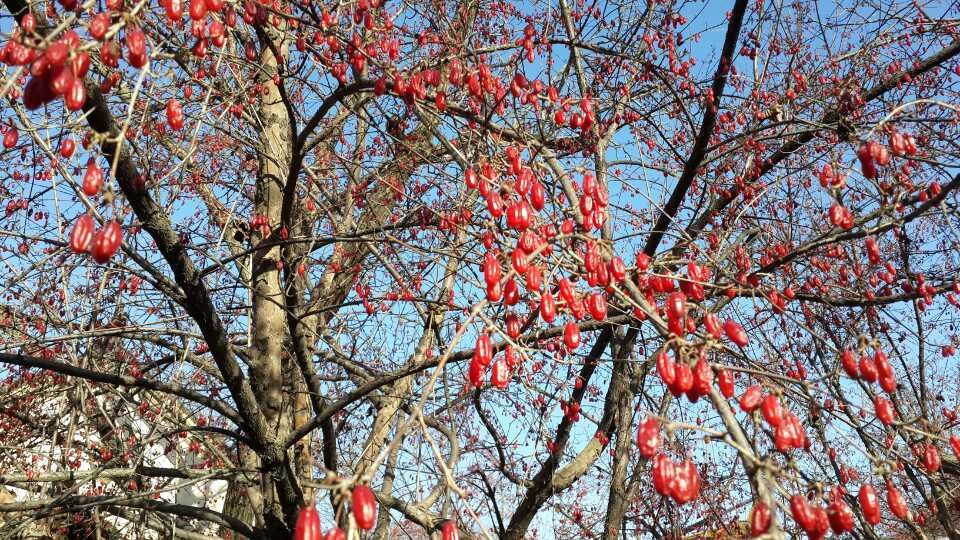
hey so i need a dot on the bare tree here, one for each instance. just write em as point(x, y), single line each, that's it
point(607, 269)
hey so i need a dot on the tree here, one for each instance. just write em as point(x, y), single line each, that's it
point(604, 269)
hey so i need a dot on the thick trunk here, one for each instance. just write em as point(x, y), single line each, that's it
point(267, 326)
point(617, 502)
point(243, 500)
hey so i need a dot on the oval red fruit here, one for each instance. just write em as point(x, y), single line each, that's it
point(883, 409)
point(471, 179)
point(683, 380)
point(308, 524)
point(735, 333)
point(37, 92)
point(449, 531)
point(10, 138)
point(760, 518)
point(82, 234)
point(537, 195)
point(548, 307)
point(666, 368)
point(76, 96)
point(92, 179)
point(364, 505)
point(772, 411)
point(675, 306)
point(898, 504)
point(106, 242)
point(475, 372)
point(500, 374)
point(484, 349)
point(849, 362)
point(931, 458)
point(955, 446)
point(751, 398)
point(712, 323)
point(686, 482)
point(725, 382)
point(571, 336)
point(648, 437)
point(840, 516)
point(702, 378)
point(136, 48)
point(174, 114)
point(198, 9)
point(597, 305)
point(67, 147)
point(663, 474)
point(868, 369)
point(802, 512)
point(869, 504)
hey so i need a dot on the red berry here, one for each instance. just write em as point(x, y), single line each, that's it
point(760, 518)
point(82, 234)
point(898, 505)
point(702, 378)
point(475, 372)
point(666, 368)
point(869, 504)
point(751, 398)
point(802, 513)
point(840, 515)
point(663, 474)
point(712, 323)
point(849, 362)
point(11, 137)
point(772, 411)
point(725, 382)
point(198, 9)
point(449, 531)
point(676, 306)
point(597, 304)
point(931, 458)
point(735, 333)
point(683, 380)
point(955, 445)
point(883, 409)
point(37, 92)
point(364, 505)
point(136, 48)
point(308, 524)
point(648, 437)
point(92, 179)
point(67, 147)
point(174, 114)
point(500, 374)
point(471, 179)
point(571, 336)
point(99, 25)
point(174, 9)
point(686, 483)
point(106, 242)
point(76, 96)
point(484, 349)
point(548, 309)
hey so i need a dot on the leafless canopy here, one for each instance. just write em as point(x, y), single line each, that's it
point(460, 251)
